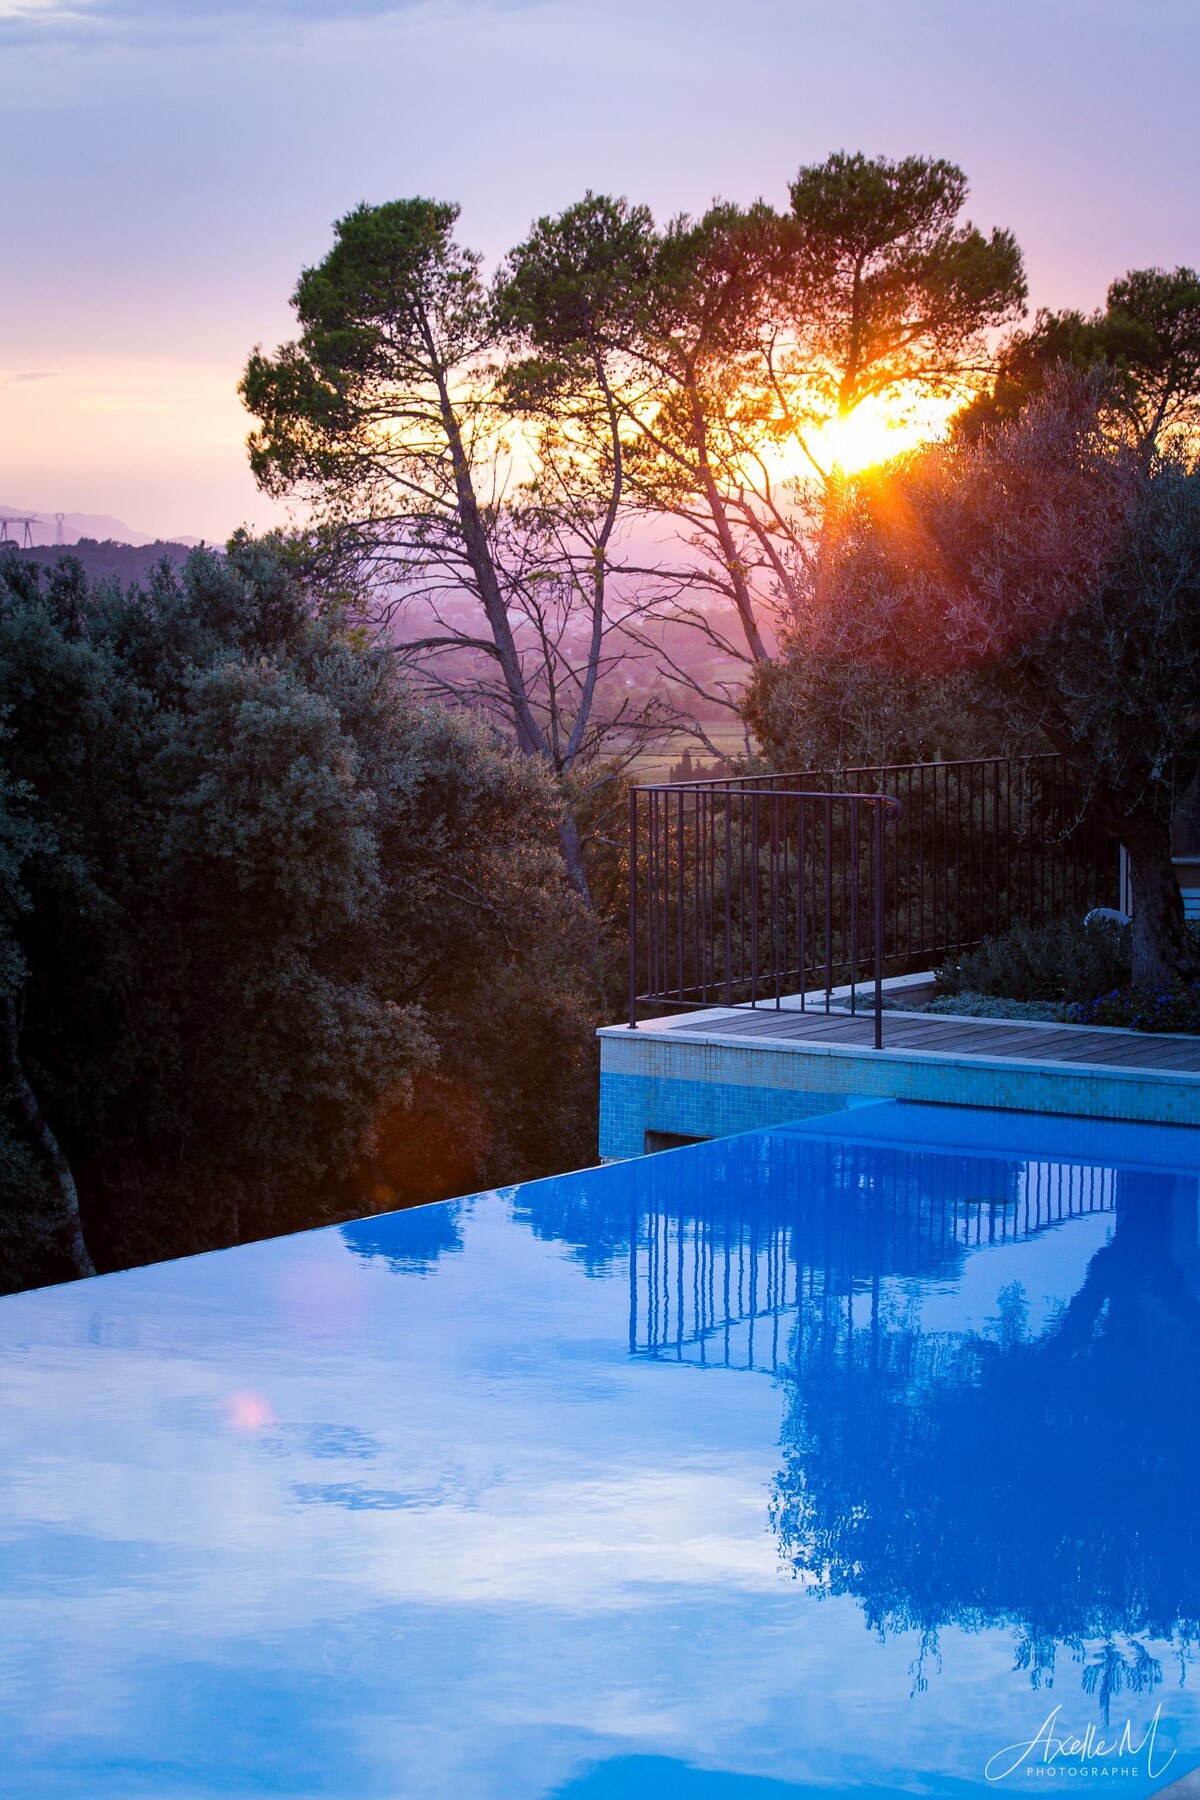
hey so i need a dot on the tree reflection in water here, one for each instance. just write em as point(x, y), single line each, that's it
point(428, 1234)
point(943, 1469)
point(1039, 1479)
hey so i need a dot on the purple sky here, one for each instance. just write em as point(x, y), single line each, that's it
point(169, 167)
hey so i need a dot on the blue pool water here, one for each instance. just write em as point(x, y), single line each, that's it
point(837, 1458)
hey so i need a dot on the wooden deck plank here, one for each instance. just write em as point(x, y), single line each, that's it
point(942, 1033)
point(1118, 1056)
point(949, 1037)
point(1165, 1058)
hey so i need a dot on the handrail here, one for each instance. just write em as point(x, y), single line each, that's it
point(951, 764)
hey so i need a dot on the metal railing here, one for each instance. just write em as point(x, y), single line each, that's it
point(745, 890)
point(740, 892)
point(986, 844)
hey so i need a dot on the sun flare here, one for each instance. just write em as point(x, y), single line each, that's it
point(876, 430)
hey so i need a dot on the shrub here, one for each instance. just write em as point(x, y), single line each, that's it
point(1174, 1008)
point(988, 1006)
point(1065, 960)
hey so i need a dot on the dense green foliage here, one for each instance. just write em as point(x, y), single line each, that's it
point(280, 941)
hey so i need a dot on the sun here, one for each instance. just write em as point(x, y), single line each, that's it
point(878, 429)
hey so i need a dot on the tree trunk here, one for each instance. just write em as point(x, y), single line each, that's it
point(71, 1231)
point(742, 597)
point(572, 849)
point(479, 556)
point(1162, 946)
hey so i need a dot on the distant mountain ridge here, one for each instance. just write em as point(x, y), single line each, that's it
point(99, 527)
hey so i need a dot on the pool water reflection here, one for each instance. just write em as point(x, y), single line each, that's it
point(833, 1458)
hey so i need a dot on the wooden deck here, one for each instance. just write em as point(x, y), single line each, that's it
point(1079, 1046)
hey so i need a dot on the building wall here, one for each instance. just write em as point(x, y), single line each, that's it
point(1188, 875)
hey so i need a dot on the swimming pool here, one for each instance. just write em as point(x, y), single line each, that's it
point(835, 1458)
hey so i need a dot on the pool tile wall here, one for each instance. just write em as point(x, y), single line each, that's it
point(696, 1085)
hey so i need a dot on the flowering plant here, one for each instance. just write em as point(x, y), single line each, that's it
point(1172, 1008)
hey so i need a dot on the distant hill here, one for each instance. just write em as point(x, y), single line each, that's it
point(106, 560)
point(44, 527)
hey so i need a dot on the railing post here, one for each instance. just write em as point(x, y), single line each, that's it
point(755, 825)
point(778, 948)
point(633, 909)
point(801, 900)
point(854, 854)
point(728, 900)
point(679, 860)
point(878, 925)
point(828, 902)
